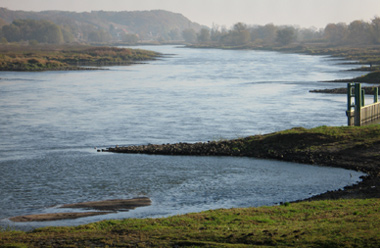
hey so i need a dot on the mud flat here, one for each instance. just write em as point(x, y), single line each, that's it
point(102, 207)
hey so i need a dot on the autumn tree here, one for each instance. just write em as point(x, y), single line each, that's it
point(359, 32)
point(240, 34)
point(336, 33)
point(286, 35)
point(375, 30)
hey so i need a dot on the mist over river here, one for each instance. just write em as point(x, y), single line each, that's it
point(50, 123)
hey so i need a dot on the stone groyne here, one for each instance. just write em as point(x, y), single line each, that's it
point(213, 148)
point(344, 147)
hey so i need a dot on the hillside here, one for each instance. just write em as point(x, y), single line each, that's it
point(111, 26)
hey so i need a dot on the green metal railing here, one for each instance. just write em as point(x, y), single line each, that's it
point(354, 109)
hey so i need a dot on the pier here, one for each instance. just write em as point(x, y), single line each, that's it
point(359, 114)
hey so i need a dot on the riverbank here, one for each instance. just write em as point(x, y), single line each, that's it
point(354, 148)
point(348, 218)
point(342, 223)
point(344, 218)
point(368, 90)
point(17, 57)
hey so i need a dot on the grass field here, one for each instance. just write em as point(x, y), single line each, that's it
point(339, 223)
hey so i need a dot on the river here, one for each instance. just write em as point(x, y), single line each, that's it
point(50, 123)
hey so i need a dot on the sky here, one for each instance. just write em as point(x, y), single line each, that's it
point(303, 13)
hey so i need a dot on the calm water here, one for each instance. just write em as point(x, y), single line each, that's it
point(50, 123)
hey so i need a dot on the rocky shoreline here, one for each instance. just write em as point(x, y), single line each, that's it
point(297, 145)
point(368, 90)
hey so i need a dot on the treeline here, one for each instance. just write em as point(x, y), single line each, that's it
point(40, 31)
point(355, 33)
point(45, 31)
point(94, 27)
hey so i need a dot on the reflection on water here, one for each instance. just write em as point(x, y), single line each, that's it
point(176, 184)
point(51, 121)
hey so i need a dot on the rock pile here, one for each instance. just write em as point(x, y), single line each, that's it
point(222, 148)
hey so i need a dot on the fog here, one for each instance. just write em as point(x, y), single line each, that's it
point(304, 13)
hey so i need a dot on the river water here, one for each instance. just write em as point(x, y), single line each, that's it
point(50, 123)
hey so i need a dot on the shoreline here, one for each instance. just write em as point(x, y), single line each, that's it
point(319, 146)
point(93, 208)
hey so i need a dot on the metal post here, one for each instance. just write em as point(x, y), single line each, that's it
point(350, 105)
point(376, 95)
point(358, 104)
point(349, 96)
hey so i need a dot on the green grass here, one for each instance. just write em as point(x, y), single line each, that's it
point(340, 223)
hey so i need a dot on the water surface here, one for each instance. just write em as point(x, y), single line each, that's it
point(50, 123)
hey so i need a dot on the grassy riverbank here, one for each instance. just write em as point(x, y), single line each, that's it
point(18, 57)
point(348, 218)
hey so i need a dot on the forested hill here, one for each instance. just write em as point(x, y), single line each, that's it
point(103, 26)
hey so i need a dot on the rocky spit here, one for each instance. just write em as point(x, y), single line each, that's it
point(213, 148)
point(302, 147)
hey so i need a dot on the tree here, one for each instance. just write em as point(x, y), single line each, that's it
point(189, 35)
point(204, 35)
point(240, 34)
point(39, 30)
point(174, 34)
point(309, 34)
point(67, 33)
point(53, 34)
point(217, 33)
point(359, 32)
point(286, 35)
point(375, 30)
point(336, 33)
point(265, 34)
point(11, 33)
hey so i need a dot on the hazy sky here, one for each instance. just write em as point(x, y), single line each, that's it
point(305, 13)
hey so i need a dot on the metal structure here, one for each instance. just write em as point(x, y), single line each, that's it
point(359, 114)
